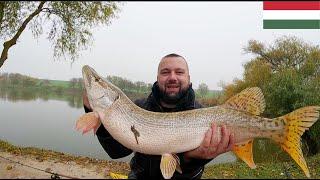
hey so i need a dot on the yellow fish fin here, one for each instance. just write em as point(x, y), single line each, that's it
point(178, 168)
point(244, 152)
point(250, 100)
point(295, 124)
point(169, 163)
point(117, 176)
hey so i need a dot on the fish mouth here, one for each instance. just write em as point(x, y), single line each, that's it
point(98, 88)
point(86, 74)
point(89, 74)
point(86, 69)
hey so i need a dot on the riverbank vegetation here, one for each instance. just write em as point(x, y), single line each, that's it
point(288, 73)
point(15, 86)
point(45, 155)
point(267, 170)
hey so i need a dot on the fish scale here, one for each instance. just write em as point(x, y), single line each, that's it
point(179, 124)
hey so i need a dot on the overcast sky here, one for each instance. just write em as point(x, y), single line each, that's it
point(210, 35)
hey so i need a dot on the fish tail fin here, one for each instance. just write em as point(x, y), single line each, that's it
point(295, 124)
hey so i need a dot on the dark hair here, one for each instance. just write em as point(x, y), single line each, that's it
point(173, 55)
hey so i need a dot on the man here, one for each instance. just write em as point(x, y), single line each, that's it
point(171, 92)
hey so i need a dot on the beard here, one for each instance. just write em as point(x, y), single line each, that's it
point(172, 98)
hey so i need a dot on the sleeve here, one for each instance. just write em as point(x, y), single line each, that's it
point(114, 149)
point(193, 164)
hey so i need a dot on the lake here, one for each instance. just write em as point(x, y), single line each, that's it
point(28, 119)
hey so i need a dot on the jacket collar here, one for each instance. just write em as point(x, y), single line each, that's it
point(186, 102)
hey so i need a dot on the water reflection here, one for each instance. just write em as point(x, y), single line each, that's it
point(73, 98)
point(48, 125)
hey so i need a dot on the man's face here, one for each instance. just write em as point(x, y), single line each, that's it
point(173, 76)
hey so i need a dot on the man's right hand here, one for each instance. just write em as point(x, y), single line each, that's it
point(212, 146)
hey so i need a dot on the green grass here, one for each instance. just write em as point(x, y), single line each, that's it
point(210, 94)
point(58, 83)
point(213, 93)
point(55, 83)
point(270, 170)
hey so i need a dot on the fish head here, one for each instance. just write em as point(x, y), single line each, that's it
point(101, 93)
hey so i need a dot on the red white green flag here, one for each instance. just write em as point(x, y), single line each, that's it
point(291, 15)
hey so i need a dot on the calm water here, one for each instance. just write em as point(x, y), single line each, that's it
point(49, 124)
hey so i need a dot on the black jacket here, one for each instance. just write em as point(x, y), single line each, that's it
point(148, 166)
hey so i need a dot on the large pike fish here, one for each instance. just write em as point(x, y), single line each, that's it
point(169, 133)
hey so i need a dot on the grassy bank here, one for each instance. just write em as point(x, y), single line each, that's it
point(44, 155)
point(278, 170)
point(270, 170)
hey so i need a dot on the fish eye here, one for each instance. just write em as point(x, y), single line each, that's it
point(97, 79)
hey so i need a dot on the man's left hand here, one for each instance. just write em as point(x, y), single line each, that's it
point(211, 145)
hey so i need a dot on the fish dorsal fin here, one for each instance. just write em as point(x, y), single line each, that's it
point(250, 100)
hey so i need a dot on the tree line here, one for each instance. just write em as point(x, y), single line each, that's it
point(16, 79)
point(19, 80)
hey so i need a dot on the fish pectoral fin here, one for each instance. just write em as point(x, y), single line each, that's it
point(87, 122)
point(169, 163)
point(250, 100)
point(178, 168)
point(244, 152)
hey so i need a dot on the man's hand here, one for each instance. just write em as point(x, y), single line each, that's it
point(211, 145)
